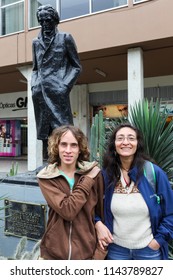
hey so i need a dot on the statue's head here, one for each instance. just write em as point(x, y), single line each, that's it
point(48, 14)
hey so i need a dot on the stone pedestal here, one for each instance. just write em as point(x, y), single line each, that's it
point(21, 190)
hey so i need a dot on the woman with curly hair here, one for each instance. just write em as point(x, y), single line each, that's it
point(73, 189)
point(139, 218)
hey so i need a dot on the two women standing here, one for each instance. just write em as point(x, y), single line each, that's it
point(136, 226)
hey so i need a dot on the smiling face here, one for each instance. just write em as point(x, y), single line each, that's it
point(68, 149)
point(126, 142)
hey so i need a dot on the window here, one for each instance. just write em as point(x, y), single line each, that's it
point(12, 16)
point(75, 8)
point(138, 1)
point(98, 5)
point(34, 4)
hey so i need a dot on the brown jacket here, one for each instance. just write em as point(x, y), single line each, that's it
point(70, 232)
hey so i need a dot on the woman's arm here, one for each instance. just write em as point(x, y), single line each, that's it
point(104, 235)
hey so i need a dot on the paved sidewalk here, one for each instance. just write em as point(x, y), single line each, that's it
point(6, 164)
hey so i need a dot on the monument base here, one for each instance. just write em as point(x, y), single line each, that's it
point(24, 195)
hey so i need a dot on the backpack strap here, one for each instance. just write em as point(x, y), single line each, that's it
point(150, 174)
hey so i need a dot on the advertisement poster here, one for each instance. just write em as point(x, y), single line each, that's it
point(10, 138)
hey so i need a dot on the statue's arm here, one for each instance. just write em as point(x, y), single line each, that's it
point(34, 67)
point(73, 59)
point(34, 63)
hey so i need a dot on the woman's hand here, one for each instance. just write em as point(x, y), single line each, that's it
point(94, 172)
point(154, 245)
point(103, 234)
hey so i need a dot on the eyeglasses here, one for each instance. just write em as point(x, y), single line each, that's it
point(121, 139)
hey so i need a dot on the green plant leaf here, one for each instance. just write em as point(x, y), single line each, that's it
point(158, 135)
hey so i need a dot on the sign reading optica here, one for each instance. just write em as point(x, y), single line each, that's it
point(13, 105)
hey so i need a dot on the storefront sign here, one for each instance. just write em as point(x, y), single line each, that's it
point(13, 105)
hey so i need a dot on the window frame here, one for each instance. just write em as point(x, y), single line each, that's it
point(6, 6)
point(58, 7)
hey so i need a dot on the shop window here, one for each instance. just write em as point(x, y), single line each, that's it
point(112, 115)
point(10, 138)
point(168, 104)
point(12, 16)
point(112, 111)
point(24, 137)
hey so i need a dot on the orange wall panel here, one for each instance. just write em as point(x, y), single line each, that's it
point(21, 50)
point(8, 53)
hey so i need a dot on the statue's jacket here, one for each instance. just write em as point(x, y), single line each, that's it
point(55, 71)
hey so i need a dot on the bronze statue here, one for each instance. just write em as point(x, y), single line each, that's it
point(56, 67)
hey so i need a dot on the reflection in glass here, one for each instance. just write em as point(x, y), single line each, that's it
point(12, 18)
point(6, 2)
point(98, 5)
point(136, 1)
point(75, 8)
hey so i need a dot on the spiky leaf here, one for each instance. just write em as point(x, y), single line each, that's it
point(151, 119)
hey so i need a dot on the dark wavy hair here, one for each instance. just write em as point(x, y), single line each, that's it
point(51, 11)
point(111, 159)
point(54, 140)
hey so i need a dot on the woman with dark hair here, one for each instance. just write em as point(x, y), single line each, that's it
point(139, 219)
point(73, 189)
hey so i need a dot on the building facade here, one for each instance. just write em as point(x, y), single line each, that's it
point(126, 53)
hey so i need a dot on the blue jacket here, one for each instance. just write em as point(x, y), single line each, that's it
point(161, 214)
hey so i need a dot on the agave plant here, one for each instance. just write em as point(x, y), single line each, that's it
point(13, 169)
point(151, 119)
point(22, 254)
point(101, 130)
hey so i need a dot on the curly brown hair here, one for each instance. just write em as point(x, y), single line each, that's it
point(54, 140)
